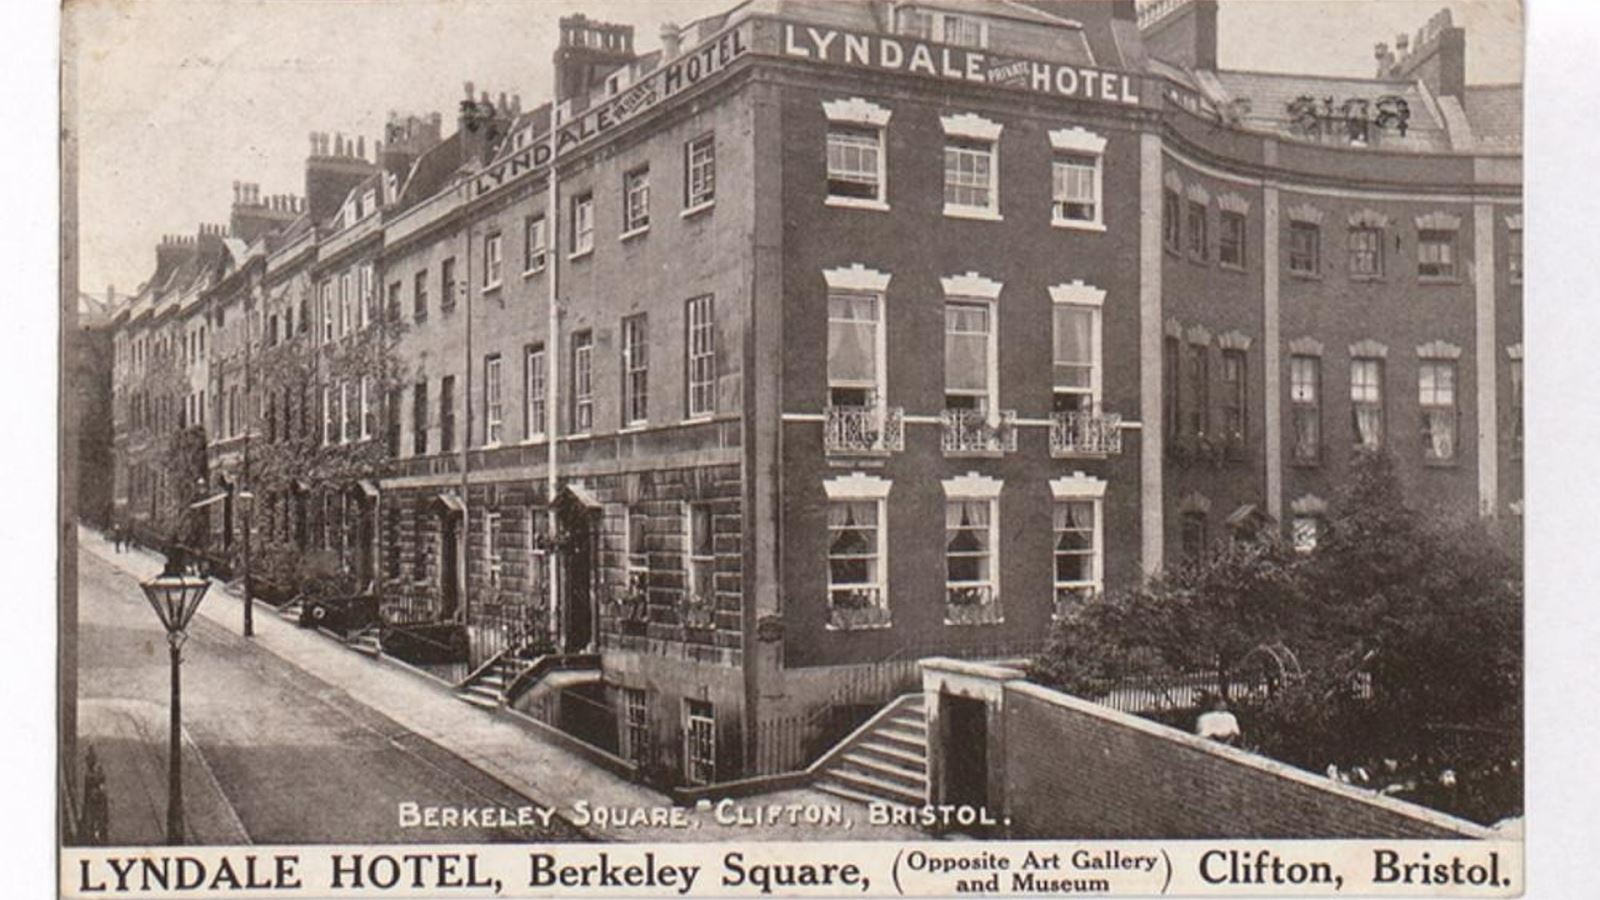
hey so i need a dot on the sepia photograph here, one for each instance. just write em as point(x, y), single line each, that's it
point(505, 440)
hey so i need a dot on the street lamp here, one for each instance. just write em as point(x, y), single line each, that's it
point(175, 596)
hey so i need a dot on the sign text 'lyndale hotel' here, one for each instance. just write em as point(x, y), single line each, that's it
point(827, 45)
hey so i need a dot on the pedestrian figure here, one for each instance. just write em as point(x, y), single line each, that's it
point(1217, 723)
point(96, 820)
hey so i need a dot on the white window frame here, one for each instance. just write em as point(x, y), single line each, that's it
point(535, 254)
point(1079, 488)
point(1426, 402)
point(493, 259)
point(700, 348)
point(857, 279)
point(974, 290)
point(1083, 296)
point(492, 563)
point(583, 383)
point(347, 300)
point(635, 370)
point(582, 225)
point(699, 173)
point(635, 560)
point(634, 728)
point(699, 731)
point(966, 133)
point(635, 202)
point(327, 311)
point(1440, 223)
point(1080, 143)
point(859, 115)
point(366, 408)
point(694, 590)
point(858, 487)
point(947, 22)
point(493, 401)
point(1359, 398)
point(364, 301)
point(535, 422)
point(975, 488)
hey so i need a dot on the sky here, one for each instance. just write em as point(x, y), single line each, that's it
point(180, 98)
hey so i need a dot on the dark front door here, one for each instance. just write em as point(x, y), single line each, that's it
point(966, 746)
point(449, 560)
point(577, 614)
point(364, 535)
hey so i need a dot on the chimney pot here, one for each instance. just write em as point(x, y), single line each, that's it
point(361, 146)
point(470, 92)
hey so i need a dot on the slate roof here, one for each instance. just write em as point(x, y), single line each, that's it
point(1495, 113)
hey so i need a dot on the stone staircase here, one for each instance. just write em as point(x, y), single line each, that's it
point(885, 760)
point(489, 685)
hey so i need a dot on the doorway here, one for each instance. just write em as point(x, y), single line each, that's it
point(449, 563)
point(578, 513)
point(966, 746)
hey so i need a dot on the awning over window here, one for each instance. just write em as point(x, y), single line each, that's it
point(367, 489)
point(214, 498)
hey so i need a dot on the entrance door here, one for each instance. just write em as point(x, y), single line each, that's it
point(966, 746)
point(577, 584)
point(365, 529)
point(449, 564)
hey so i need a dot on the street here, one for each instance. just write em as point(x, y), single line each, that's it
point(273, 754)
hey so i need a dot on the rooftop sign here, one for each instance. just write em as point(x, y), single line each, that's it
point(891, 53)
point(903, 54)
point(672, 79)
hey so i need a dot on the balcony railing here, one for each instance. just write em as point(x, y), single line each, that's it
point(973, 431)
point(1085, 434)
point(1070, 599)
point(856, 608)
point(972, 604)
point(864, 429)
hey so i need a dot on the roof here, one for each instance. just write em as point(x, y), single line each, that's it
point(431, 172)
point(1495, 113)
point(1269, 95)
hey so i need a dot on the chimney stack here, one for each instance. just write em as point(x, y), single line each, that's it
point(1436, 56)
point(671, 41)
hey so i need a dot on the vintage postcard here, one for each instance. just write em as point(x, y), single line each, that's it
point(792, 448)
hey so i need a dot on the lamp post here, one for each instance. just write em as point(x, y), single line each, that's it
point(175, 596)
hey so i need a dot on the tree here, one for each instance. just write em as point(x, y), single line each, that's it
point(1406, 627)
point(1208, 616)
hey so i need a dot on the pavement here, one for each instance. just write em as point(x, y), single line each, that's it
point(401, 705)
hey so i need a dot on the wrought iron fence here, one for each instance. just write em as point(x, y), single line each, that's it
point(860, 607)
point(972, 604)
point(864, 429)
point(1085, 433)
point(975, 431)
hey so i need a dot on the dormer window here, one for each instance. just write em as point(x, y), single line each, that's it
point(946, 28)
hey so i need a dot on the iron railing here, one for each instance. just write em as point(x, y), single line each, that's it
point(1085, 434)
point(864, 429)
point(972, 604)
point(855, 608)
point(974, 431)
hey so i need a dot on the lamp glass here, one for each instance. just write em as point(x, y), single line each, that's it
point(175, 599)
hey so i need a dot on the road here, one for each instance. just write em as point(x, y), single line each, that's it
point(273, 754)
